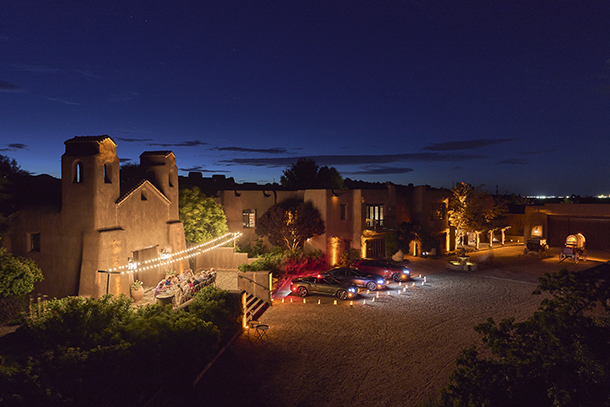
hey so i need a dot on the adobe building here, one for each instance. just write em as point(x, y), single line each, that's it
point(357, 217)
point(556, 221)
point(98, 227)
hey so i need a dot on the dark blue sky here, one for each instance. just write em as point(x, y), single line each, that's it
point(508, 93)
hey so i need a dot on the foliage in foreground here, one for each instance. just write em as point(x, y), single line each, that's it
point(103, 352)
point(558, 357)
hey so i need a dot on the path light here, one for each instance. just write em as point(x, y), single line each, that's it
point(318, 302)
point(377, 294)
point(291, 300)
point(424, 279)
point(351, 303)
point(420, 276)
point(282, 300)
point(413, 284)
point(364, 302)
point(368, 292)
point(405, 289)
point(388, 293)
point(304, 300)
point(422, 283)
point(373, 299)
point(335, 302)
point(400, 283)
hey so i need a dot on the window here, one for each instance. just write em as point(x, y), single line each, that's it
point(343, 211)
point(34, 242)
point(249, 216)
point(78, 173)
point(374, 216)
point(438, 211)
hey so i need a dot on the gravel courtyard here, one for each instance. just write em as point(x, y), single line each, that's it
point(398, 349)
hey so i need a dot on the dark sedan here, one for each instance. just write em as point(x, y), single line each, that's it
point(361, 279)
point(302, 286)
point(384, 268)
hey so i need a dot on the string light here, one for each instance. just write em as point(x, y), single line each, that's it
point(169, 258)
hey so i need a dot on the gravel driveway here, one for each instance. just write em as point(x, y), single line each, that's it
point(398, 349)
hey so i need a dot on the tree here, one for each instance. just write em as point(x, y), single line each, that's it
point(560, 356)
point(17, 275)
point(401, 238)
point(305, 174)
point(17, 278)
point(471, 210)
point(203, 218)
point(288, 224)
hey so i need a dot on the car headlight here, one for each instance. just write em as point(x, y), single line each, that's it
point(351, 290)
point(406, 271)
point(380, 281)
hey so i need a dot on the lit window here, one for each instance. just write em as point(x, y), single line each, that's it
point(249, 216)
point(34, 242)
point(374, 216)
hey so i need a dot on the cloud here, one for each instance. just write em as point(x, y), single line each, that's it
point(18, 146)
point(198, 168)
point(465, 144)
point(276, 150)
point(514, 161)
point(125, 160)
point(193, 143)
point(133, 140)
point(381, 170)
point(14, 147)
point(65, 102)
point(35, 68)
point(9, 87)
point(351, 159)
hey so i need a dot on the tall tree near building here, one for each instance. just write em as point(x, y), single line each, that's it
point(203, 218)
point(290, 223)
point(306, 174)
point(472, 210)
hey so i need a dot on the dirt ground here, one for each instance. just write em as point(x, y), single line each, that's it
point(395, 349)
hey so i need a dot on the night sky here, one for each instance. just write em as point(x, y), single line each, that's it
point(511, 95)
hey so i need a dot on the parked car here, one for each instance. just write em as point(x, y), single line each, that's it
point(384, 268)
point(303, 286)
point(360, 278)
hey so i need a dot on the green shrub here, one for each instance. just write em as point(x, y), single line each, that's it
point(105, 352)
point(78, 321)
point(349, 257)
point(17, 275)
point(219, 307)
point(267, 262)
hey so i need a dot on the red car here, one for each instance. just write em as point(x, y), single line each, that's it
point(384, 268)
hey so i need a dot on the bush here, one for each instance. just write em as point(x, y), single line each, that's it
point(268, 262)
point(17, 275)
point(219, 307)
point(103, 352)
point(349, 257)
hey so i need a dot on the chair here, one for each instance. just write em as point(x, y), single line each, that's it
point(252, 324)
